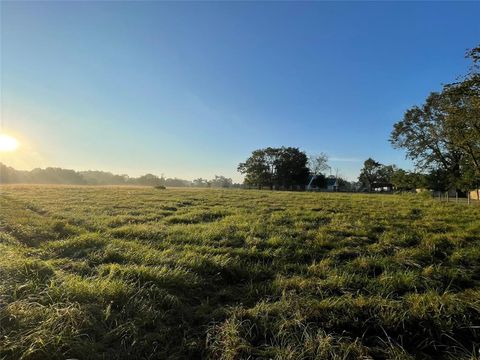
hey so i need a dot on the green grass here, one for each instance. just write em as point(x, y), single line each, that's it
point(137, 273)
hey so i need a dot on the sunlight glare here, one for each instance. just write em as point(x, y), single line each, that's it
point(8, 143)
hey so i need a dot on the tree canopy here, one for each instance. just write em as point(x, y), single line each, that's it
point(50, 175)
point(283, 167)
point(375, 175)
point(442, 136)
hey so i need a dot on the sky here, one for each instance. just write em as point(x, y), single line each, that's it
point(190, 89)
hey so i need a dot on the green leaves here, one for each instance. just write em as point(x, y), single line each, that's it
point(276, 167)
point(443, 134)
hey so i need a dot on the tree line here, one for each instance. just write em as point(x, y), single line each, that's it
point(442, 137)
point(52, 175)
point(376, 176)
point(289, 168)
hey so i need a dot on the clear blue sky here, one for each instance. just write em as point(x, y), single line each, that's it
point(190, 89)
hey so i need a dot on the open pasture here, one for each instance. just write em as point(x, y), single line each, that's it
point(140, 273)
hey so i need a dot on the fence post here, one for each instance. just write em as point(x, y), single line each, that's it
point(468, 197)
point(447, 196)
point(456, 196)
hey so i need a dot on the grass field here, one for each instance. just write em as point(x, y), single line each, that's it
point(140, 273)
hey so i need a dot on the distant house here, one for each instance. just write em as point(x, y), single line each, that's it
point(332, 183)
point(312, 183)
point(320, 183)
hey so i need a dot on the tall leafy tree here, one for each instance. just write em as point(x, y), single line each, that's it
point(375, 175)
point(422, 133)
point(257, 169)
point(462, 119)
point(407, 181)
point(291, 167)
point(369, 174)
point(443, 135)
point(276, 167)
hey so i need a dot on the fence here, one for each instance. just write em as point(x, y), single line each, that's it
point(447, 197)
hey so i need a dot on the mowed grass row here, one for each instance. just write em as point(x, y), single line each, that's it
point(124, 273)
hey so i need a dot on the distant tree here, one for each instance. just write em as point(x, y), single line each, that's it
point(385, 175)
point(9, 175)
point(291, 168)
point(63, 176)
point(376, 175)
point(344, 185)
point(318, 164)
point(439, 180)
point(275, 167)
point(103, 178)
point(52, 175)
point(408, 181)
point(369, 174)
point(257, 169)
point(319, 181)
point(221, 182)
point(175, 182)
point(201, 183)
point(401, 181)
point(149, 180)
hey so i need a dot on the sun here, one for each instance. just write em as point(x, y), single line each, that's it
point(8, 143)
